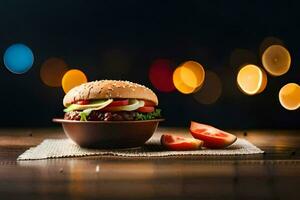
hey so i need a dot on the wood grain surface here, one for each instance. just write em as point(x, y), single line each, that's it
point(273, 175)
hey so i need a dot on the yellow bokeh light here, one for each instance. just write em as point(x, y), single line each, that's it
point(211, 89)
point(179, 84)
point(276, 60)
point(188, 77)
point(52, 71)
point(289, 96)
point(72, 78)
point(251, 79)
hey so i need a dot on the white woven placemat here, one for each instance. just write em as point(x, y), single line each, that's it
point(59, 148)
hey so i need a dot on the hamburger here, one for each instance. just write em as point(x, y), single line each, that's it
point(111, 100)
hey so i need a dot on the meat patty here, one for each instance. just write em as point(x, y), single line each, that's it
point(97, 115)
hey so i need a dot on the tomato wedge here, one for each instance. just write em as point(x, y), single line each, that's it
point(146, 109)
point(179, 143)
point(82, 102)
point(212, 137)
point(119, 103)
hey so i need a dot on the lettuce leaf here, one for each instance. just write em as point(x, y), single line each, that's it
point(83, 116)
point(85, 113)
point(148, 116)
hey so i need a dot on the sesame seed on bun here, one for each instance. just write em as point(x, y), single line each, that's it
point(109, 89)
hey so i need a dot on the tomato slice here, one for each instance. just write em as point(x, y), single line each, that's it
point(119, 103)
point(149, 103)
point(82, 102)
point(179, 143)
point(146, 109)
point(212, 137)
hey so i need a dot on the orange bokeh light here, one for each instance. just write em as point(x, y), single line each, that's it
point(179, 83)
point(251, 79)
point(52, 71)
point(289, 96)
point(276, 60)
point(72, 78)
point(188, 77)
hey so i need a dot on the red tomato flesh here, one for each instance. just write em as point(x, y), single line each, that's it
point(146, 109)
point(212, 137)
point(119, 103)
point(82, 102)
point(149, 103)
point(178, 143)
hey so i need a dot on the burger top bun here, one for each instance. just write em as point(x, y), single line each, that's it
point(109, 89)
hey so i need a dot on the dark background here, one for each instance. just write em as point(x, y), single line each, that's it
point(120, 40)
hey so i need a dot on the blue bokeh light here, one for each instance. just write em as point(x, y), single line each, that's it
point(18, 58)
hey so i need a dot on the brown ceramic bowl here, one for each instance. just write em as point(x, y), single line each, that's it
point(109, 134)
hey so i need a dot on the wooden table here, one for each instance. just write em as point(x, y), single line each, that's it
point(273, 175)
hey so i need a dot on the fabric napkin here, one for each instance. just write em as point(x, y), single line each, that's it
point(60, 148)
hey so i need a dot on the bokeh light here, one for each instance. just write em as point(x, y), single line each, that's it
point(251, 79)
point(161, 75)
point(116, 62)
point(188, 77)
point(18, 58)
point(289, 96)
point(276, 60)
point(72, 78)
point(211, 89)
point(269, 41)
point(240, 57)
point(179, 83)
point(52, 71)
